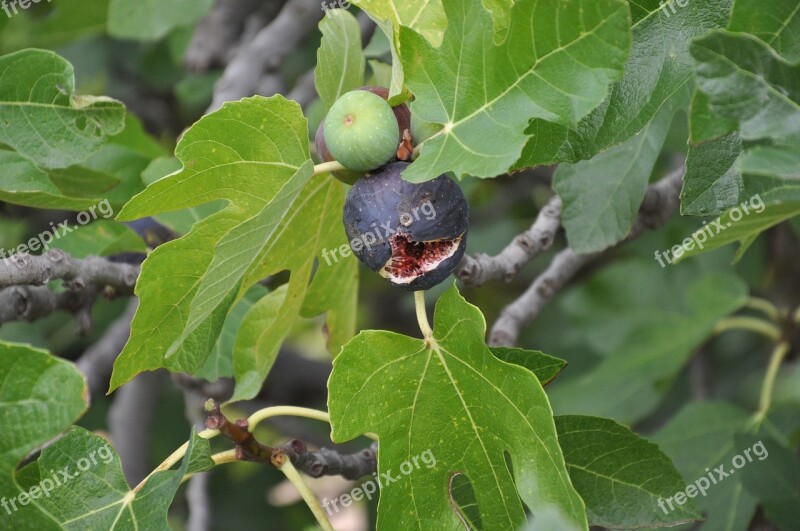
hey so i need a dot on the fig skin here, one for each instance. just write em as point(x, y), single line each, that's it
point(346, 176)
point(401, 112)
point(377, 202)
point(360, 131)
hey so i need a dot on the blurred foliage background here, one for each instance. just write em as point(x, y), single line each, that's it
point(598, 312)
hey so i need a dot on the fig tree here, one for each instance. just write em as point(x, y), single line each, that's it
point(413, 234)
point(361, 131)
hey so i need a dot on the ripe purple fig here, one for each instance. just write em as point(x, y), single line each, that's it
point(413, 234)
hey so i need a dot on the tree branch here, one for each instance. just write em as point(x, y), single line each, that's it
point(304, 91)
point(130, 420)
point(217, 34)
point(324, 462)
point(199, 501)
point(328, 462)
point(660, 202)
point(26, 297)
point(76, 273)
point(266, 51)
point(29, 303)
point(478, 269)
point(98, 360)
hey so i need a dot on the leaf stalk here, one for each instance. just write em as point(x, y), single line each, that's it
point(327, 167)
point(775, 360)
point(764, 306)
point(422, 315)
point(291, 473)
point(752, 324)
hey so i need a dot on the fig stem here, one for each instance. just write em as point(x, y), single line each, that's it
point(422, 315)
point(753, 324)
point(327, 167)
point(292, 411)
point(778, 353)
point(305, 491)
point(764, 306)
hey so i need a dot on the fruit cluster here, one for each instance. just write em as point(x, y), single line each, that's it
point(373, 141)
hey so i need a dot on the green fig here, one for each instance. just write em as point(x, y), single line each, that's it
point(361, 131)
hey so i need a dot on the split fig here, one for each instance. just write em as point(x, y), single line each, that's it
point(413, 234)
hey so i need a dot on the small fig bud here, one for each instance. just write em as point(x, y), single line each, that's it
point(413, 234)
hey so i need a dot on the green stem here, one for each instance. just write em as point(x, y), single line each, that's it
point(327, 167)
point(228, 456)
point(422, 315)
point(302, 487)
point(417, 150)
point(176, 456)
point(753, 324)
point(797, 316)
point(291, 411)
point(775, 361)
point(764, 306)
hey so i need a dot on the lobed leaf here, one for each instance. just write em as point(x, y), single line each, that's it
point(747, 81)
point(426, 17)
point(556, 64)
point(730, 79)
point(654, 350)
point(40, 396)
point(777, 23)
point(700, 438)
point(253, 155)
point(87, 487)
point(43, 119)
point(307, 233)
point(152, 19)
point(451, 397)
point(746, 222)
point(620, 475)
point(601, 196)
point(246, 153)
point(659, 66)
point(340, 60)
